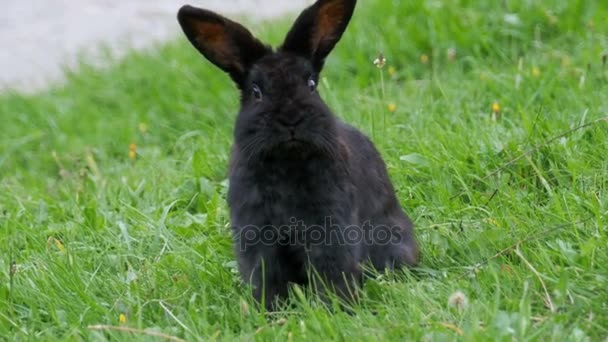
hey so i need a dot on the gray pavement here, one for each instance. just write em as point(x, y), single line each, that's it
point(39, 37)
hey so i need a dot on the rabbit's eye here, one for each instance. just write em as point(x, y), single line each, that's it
point(256, 92)
point(312, 85)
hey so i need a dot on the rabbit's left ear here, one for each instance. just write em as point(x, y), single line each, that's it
point(317, 30)
point(225, 43)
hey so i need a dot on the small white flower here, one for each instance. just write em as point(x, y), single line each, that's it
point(380, 61)
point(512, 19)
point(458, 300)
point(451, 54)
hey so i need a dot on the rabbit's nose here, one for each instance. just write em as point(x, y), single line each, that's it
point(292, 130)
point(291, 122)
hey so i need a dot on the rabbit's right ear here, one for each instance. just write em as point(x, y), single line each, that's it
point(318, 29)
point(225, 43)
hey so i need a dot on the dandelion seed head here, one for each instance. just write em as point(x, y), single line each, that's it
point(458, 300)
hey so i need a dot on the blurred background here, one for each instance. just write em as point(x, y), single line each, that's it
point(39, 37)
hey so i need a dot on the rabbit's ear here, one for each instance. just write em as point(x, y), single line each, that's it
point(318, 29)
point(225, 43)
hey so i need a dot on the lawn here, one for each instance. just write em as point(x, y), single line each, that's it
point(492, 118)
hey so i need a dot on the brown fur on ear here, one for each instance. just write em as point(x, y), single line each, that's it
point(215, 40)
point(225, 43)
point(318, 29)
point(329, 17)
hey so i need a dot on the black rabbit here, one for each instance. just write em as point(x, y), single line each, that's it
point(308, 194)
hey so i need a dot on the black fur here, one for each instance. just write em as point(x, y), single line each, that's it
point(304, 186)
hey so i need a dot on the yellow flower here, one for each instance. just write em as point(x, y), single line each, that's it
point(60, 246)
point(132, 151)
point(392, 71)
point(552, 18)
point(535, 72)
point(143, 127)
point(424, 58)
point(491, 221)
point(122, 319)
point(495, 108)
point(57, 243)
point(391, 107)
point(495, 111)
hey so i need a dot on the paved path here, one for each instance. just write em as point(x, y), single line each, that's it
point(38, 37)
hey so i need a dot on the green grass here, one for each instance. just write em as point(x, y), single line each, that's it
point(509, 210)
